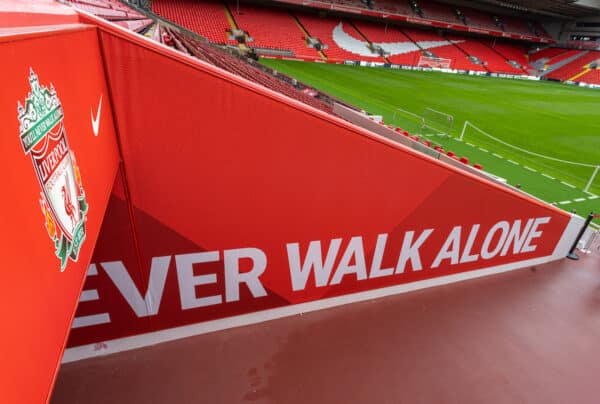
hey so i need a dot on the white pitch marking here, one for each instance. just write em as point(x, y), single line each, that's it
point(593, 197)
point(469, 144)
point(513, 162)
point(483, 150)
point(497, 155)
point(579, 199)
point(532, 169)
point(564, 202)
point(567, 184)
point(548, 176)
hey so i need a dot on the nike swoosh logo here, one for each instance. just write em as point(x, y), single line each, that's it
point(353, 45)
point(96, 121)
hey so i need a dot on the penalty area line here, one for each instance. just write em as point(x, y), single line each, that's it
point(567, 184)
point(548, 176)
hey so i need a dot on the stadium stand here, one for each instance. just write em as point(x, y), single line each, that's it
point(272, 29)
point(516, 25)
point(491, 60)
point(109, 9)
point(479, 19)
point(115, 11)
point(395, 7)
point(135, 25)
point(511, 51)
point(563, 56)
point(431, 10)
point(546, 53)
point(592, 77)
point(438, 11)
point(283, 33)
point(576, 69)
point(460, 60)
point(232, 64)
point(208, 53)
point(279, 32)
point(207, 18)
point(348, 44)
point(379, 34)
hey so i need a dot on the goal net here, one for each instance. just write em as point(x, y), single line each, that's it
point(436, 122)
point(545, 168)
point(434, 62)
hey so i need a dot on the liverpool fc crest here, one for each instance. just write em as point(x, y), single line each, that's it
point(62, 197)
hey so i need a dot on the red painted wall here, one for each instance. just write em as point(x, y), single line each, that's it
point(215, 167)
point(38, 297)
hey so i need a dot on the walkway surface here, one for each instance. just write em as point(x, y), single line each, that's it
point(527, 336)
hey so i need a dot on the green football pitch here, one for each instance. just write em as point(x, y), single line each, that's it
point(542, 136)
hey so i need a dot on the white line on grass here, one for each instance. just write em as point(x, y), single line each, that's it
point(483, 150)
point(567, 184)
point(579, 199)
point(564, 202)
point(497, 155)
point(513, 162)
point(469, 144)
point(530, 169)
point(593, 197)
point(548, 176)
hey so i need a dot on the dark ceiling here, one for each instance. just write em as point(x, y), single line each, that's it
point(555, 8)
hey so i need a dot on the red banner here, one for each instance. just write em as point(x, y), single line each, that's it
point(242, 200)
point(59, 159)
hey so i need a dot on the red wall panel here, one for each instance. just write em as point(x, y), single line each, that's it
point(217, 167)
point(39, 293)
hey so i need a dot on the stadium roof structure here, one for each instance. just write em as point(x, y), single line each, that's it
point(554, 8)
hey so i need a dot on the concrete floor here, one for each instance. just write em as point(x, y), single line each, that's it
point(527, 336)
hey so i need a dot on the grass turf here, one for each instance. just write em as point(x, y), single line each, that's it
point(546, 118)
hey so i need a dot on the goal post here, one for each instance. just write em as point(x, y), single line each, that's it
point(407, 120)
point(440, 122)
point(583, 174)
